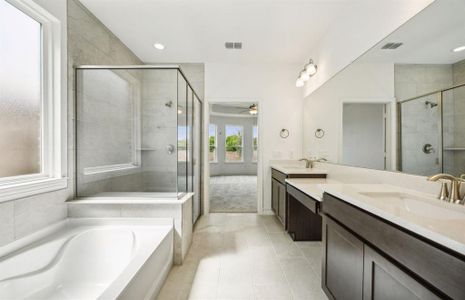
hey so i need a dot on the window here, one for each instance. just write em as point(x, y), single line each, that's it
point(255, 143)
point(30, 112)
point(212, 138)
point(233, 144)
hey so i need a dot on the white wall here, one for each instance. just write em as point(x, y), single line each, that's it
point(353, 34)
point(360, 82)
point(280, 106)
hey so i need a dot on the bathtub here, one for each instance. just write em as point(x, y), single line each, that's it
point(89, 259)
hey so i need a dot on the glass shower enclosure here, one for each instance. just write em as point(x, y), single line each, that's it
point(432, 133)
point(138, 133)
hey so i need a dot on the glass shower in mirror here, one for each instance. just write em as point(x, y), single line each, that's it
point(432, 133)
point(134, 129)
point(418, 74)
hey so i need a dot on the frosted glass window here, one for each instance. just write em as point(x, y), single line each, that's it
point(20, 92)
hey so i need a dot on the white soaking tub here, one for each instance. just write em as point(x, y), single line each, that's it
point(89, 259)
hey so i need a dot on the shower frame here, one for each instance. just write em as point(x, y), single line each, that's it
point(440, 95)
point(141, 67)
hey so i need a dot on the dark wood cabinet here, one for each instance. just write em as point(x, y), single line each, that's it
point(282, 203)
point(303, 219)
point(343, 263)
point(274, 195)
point(279, 195)
point(278, 200)
point(367, 257)
point(383, 280)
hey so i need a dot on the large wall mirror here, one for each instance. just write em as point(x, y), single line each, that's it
point(401, 105)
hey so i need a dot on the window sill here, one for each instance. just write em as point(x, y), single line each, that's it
point(30, 188)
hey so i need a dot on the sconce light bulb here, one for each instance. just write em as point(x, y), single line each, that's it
point(299, 83)
point(310, 69)
point(304, 76)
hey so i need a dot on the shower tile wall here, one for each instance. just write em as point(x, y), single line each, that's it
point(420, 121)
point(108, 130)
point(159, 127)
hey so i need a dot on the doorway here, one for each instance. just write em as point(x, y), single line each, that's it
point(364, 136)
point(233, 157)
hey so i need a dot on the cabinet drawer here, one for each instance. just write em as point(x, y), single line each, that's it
point(432, 264)
point(281, 177)
point(306, 200)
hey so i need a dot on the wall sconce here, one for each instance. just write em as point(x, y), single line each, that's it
point(309, 70)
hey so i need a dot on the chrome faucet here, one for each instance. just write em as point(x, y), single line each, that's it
point(444, 195)
point(309, 162)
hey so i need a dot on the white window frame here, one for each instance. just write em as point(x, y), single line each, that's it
point(253, 146)
point(216, 143)
point(242, 145)
point(53, 148)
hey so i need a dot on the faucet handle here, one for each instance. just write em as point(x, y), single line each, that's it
point(444, 195)
point(444, 192)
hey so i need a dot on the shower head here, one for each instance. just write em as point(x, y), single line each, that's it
point(169, 104)
point(431, 104)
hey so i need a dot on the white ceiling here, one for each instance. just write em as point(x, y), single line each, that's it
point(281, 31)
point(428, 37)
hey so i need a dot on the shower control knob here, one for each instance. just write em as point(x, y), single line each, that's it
point(170, 149)
point(428, 148)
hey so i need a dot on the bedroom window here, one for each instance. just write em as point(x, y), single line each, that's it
point(234, 143)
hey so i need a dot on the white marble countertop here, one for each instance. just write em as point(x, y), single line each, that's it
point(311, 186)
point(296, 169)
point(438, 221)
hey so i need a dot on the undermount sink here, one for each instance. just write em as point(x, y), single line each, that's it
point(391, 195)
point(294, 167)
point(417, 205)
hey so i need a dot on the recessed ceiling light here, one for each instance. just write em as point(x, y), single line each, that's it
point(458, 49)
point(159, 46)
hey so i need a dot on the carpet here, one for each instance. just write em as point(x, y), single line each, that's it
point(233, 194)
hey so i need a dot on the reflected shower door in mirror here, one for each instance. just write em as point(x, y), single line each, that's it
point(420, 70)
point(420, 135)
point(453, 111)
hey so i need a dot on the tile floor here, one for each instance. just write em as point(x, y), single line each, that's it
point(245, 256)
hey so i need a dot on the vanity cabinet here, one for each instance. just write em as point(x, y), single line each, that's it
point(384, 280)
point(367, 257)
point(303, 219)
point(279, 201)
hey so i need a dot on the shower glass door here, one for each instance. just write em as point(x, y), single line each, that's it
point(420, 135)
point(197, 157)
point(454, 131)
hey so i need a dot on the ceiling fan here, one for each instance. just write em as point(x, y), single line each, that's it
point(253, 109)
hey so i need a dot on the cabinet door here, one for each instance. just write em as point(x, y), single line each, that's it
point(274, 196)
point(384, 280)
point(343, 262)
point(282, 203)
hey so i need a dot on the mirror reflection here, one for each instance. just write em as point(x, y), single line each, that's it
point(400, 106)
